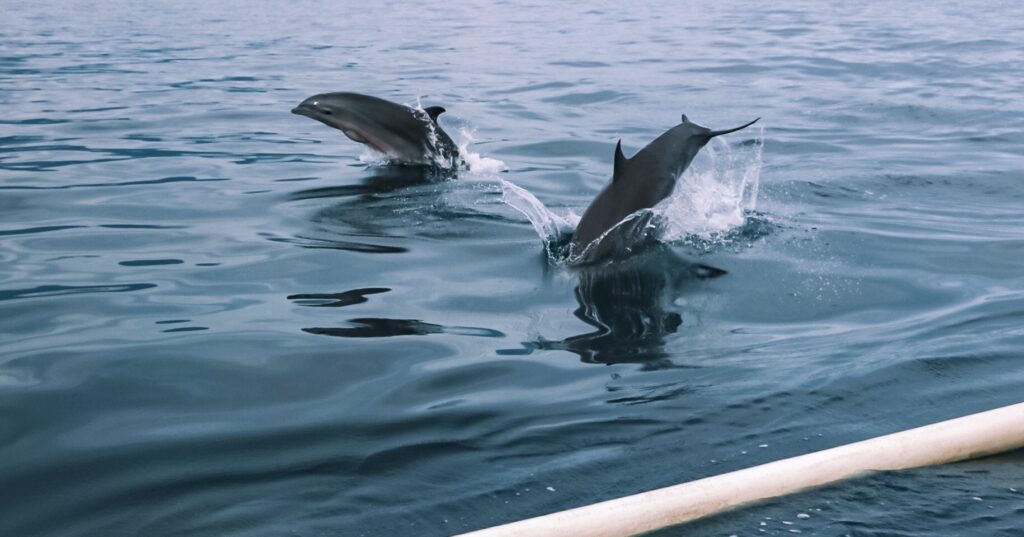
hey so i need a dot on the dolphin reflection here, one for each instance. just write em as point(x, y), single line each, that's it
point(629, 305)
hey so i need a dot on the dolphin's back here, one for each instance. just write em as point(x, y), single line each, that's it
point(601, 216)
point(637, 183)
point(384, 120)
point(403, 133)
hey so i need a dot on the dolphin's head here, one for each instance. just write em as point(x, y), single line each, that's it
point(332, 109)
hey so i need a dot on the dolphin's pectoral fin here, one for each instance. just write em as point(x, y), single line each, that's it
point(433, 112)
point(355, 136)
point(620, 162)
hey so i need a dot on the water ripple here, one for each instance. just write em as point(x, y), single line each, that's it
point(44, 291)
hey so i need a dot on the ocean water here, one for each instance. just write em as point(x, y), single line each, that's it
point(221, 319)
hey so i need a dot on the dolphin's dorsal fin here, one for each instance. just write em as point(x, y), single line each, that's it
point(434, 111)
point(620, 162)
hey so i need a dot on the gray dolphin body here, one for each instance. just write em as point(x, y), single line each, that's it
point(404, 134)
point(639, 183)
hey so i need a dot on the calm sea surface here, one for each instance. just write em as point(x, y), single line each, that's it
point(221, 319)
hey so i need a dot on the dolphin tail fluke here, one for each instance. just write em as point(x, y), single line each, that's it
point(712, 134)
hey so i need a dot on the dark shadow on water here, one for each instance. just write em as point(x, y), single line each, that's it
point(373, 327)
point(333, 244)
point(377, 327)
point(337, 300)
point(629, 304)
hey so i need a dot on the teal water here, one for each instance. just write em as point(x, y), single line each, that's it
point(221, 319)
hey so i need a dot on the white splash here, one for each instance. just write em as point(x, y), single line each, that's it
point(715, 194)
point(476, 162)
point(546, 223)
point(370, 157)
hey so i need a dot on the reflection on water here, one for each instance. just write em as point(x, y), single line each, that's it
point(358, 218)
point(379, 180)
point(392, 202)
point(630, 305)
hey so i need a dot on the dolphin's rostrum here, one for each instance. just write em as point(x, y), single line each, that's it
point(639, 183)
point(406, 135)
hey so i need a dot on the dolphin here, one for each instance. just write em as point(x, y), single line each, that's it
point(406, 135)
point(639, 183)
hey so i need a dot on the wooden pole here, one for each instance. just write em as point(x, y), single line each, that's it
point(976, 435)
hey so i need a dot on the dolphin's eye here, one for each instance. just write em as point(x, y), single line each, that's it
point(325, 112)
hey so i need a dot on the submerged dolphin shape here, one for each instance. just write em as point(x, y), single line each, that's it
point(406, 135)
point(639, 183)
